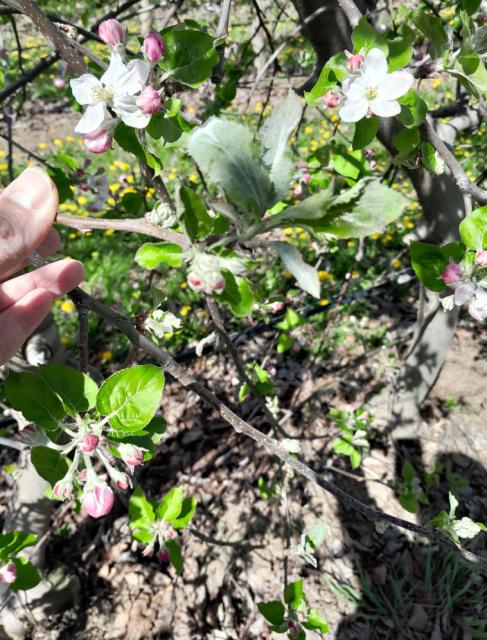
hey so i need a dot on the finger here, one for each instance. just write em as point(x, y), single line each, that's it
point(58, 278)
point(20, 320)
point(48, 246)
point(27, 210)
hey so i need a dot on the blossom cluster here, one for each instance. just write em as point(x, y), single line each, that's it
point(125, 92)
point(369, 90)
point(89, 446)
point(468, 279)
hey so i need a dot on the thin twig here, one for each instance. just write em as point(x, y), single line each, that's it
point(83, 336)
point(177, 371)
point(221, 33)
point(134, 225)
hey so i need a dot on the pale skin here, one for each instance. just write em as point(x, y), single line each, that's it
point(27, 211)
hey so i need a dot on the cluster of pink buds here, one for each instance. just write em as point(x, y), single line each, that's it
point(98, 141)
point(331, 99)
point(98, 500)
point(467, 281)
point(8, 573)
point(149, 100)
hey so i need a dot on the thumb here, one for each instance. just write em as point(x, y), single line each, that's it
point(27, 210)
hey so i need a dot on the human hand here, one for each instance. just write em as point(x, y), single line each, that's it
point(27, 210)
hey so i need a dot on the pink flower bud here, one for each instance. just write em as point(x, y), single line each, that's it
point(154, 47)
point(59, 83)
point(89, 443)
point(306, 178)
point(111, 32)
point(119, 479)
point(355, 63)
point(149, 100)
point(98, 142)
point(297, 191)
point(277, 306)
point(331, 99)
point(8, 573)
point(481, 258)
point(82, 475)
point(80, 173)
point(163, 555)
point(451, 273)
point(98, 501)
point(131, 455)
point(194, 282)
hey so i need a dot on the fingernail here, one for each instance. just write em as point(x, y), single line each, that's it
point(30, 190)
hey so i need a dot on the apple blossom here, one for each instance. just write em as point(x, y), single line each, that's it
point(8, 573)
point(162, 216)
point(374, 91)
point(481, 258)
point(59, 83)
point(154, 47)
point(131, 454)
point(89, 443)
point(111, 32)
point(149, 100)
point(98, 501)
point(63, 488)
point(451, 273)
point(306, 178)
point(355, 63)
point(160, 322)
point(116, 89)
point(331, 99)
point(206, 275)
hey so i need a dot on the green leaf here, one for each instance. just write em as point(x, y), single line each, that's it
point(365, 131)
point(473, 229)
point(284, 343)
point(171, 505)
point(77, 390)
point(49, 464)
point(175, 557)
point(409, 502)
point(430, 158)
point(407, 139)
point(193, 212)
point(274, 136)
point(347, 163)
point(27, 575)
point(365, 38)
point(400, 52)
point(291, 321)
point(141, 516)
point(132, 203)
point(428, 262)
point(471, 6)
point(335, 70)
point(433, 28)
point(131, 397)
point(28, 393)
point(293, 594)
point(14, 541)
point(186, 514)
point(413, 109)
point(225, 151)
point(306, 275)
point(237, 294)
point(471, 72)
point(316, 622)
point(147, 438)
point(190, 56)
point(272, 611)
point(165, 127)
point(127, 139)
point(152, 254)
point(364, 209)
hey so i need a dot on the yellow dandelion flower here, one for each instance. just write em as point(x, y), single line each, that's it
point(58, 142)
point(111, 201)
point(67, 306)
point(82, 200)
point(114, 187)
point(109, 232)
point(42, 146)
point(396, 263)
point(185, 310)
point(106, 355)
point(69, 139)
point(308, 129)
point(324, 302)
point(325, 275)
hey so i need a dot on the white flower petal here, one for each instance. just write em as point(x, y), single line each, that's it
point(354, 111)
point(135, 78)
point(125, 107)
point(478, 306)
point(385, 108)
point(395, 85)
point(92, 119)
point(463, 293)
point(448, 302)
point(355, 90)
point(82, 88)
point(115, 72)
point(374, 68)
